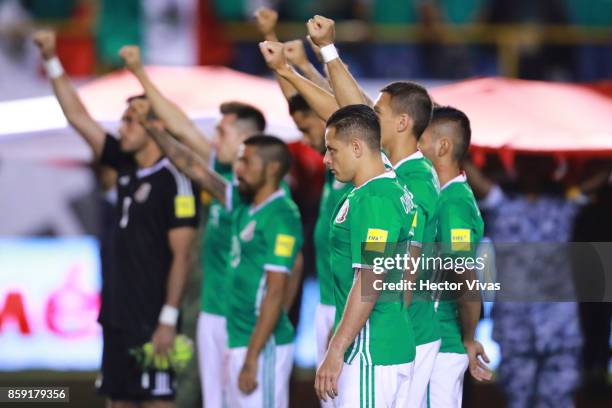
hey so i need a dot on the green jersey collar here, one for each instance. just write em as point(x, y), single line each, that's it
point(387, 174)
point(459, 179)
point(414, 156)
point(277, 194)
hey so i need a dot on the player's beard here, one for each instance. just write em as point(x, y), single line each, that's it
point(247, 191)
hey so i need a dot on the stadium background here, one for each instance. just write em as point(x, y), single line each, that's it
point(51, 210)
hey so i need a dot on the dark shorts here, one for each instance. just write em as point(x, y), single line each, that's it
point(122, 379)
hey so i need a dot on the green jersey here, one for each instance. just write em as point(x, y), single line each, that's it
point(460, 231)
point(215, 251)
point(333, 191)
point(418, 174)
point(265, 238)
point(377, 212)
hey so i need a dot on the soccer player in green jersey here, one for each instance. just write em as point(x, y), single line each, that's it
point(266, 236)
point(404, 110)
point(369, 358)
point(238, 121)
point(460, 230)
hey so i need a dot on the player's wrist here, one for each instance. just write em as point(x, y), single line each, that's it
point(271, 36)
point(329, 52)
point(53, 67)
point(284, 70)
point(168, 316)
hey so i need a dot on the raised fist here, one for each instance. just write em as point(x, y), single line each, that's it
point(45, 41)
point(315, 48)
point(131, 56)
point(321, 30)
point(273, 54)
point(266, 20)
point(295, 52)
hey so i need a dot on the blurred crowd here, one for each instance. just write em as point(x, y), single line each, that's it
point(217, 32)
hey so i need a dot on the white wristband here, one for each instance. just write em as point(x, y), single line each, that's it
point(169, 315)
point(54, 68)
point(329, 53)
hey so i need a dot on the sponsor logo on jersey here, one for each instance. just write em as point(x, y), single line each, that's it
point(284, 245)
point(342, 212)
point(142, 193)
point(248, 232)
point(184, 206)
point(376, 239)
point(460, 239)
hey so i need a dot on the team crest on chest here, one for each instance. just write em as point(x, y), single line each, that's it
point(142, 193)
point(248, 232)
point(342, 212)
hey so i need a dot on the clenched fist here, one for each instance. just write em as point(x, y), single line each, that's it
point(45, 41)
point(131, 56)
point(266, 21)
point(295, 53)
point(274, 55)
point(321, 30)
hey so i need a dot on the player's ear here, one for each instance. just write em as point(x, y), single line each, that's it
point(356, 147)
point(445, 146)
point(403, 123)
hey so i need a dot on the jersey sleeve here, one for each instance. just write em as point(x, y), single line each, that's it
point(182, 209)
point(374, 230)
point(283, 241)
point(457, 231)
point(112, 156)
point(417, 221)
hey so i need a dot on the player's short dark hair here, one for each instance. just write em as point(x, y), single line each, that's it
point(297, 103)
point(357, 120)
point(461, 129)
point(272, 149)
point(151, 115)
point(412, 99)
point(246, 113)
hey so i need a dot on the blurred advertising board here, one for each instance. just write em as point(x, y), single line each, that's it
point(49, 302)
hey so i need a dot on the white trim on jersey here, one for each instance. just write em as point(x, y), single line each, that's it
point(147, 171)
point(183, 184)
point(276, 268)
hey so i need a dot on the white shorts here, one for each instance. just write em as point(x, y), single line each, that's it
point(375, 386)
point(325, 316)
point(446, 383)
point(423, 366)
point(213, 359)
point(273, 372)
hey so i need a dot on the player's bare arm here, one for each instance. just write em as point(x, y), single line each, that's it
point(295, 278)
point(321, 101)
point(269, 312)
point(181, 244)
point(296, 55)
point(355, 315)
point(188, 162)
point(345, 87)
point(70, 102)
point(174, 118)
point(469, 312)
